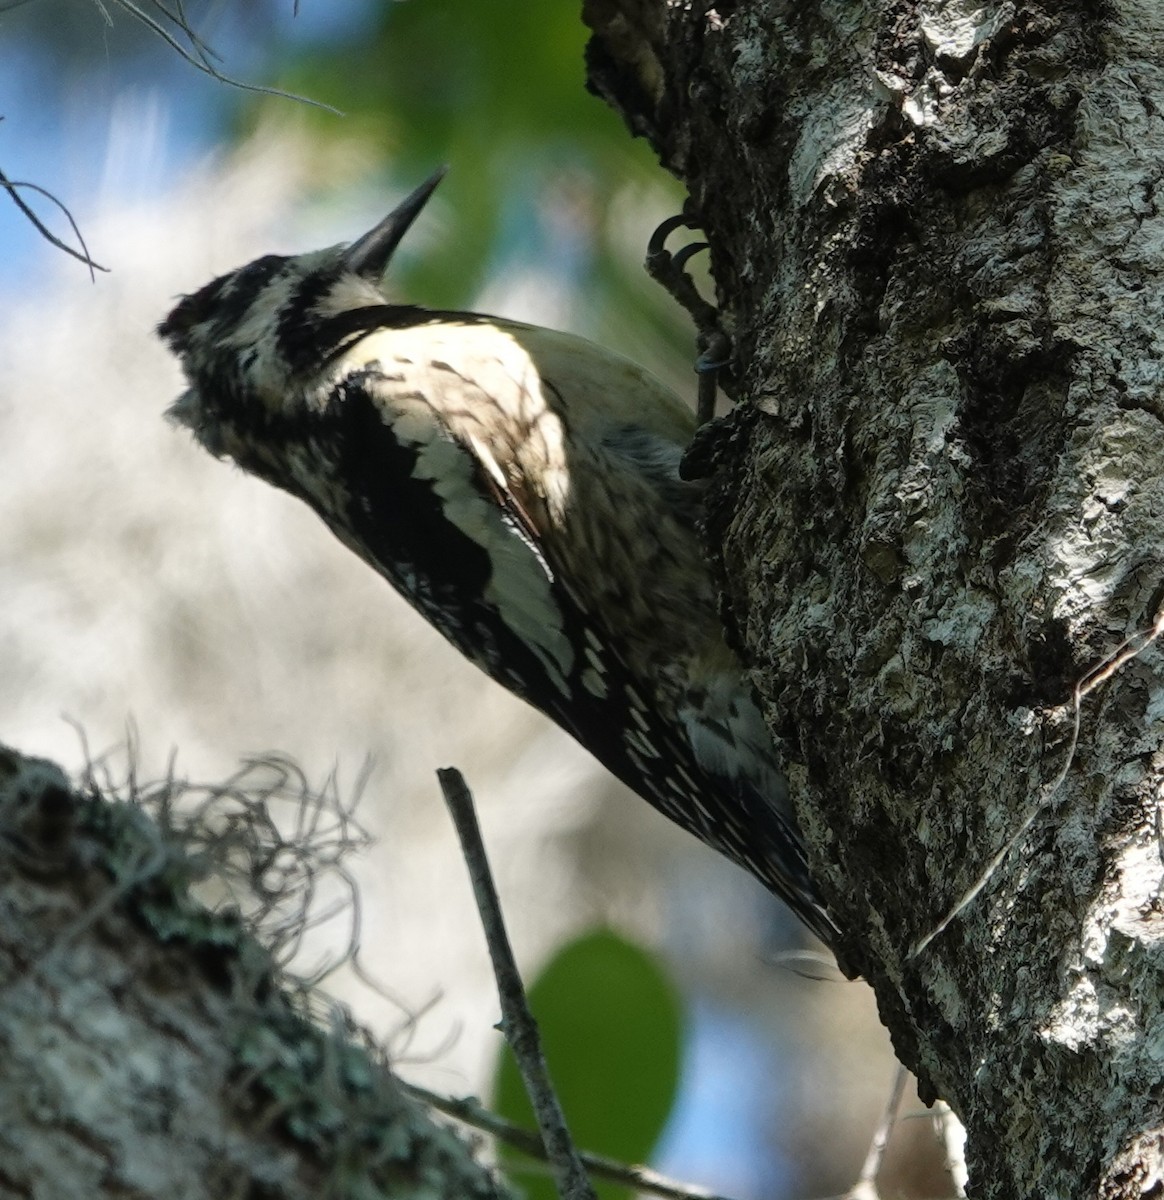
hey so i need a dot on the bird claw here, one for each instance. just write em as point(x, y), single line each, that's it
point(680, 260)
point(698, 461)
point(657, 246)
point(670, 270)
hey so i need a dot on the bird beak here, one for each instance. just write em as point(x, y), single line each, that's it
point(369, 256)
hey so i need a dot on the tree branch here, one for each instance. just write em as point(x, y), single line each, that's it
point(641, 1179)
point(153, 1047)
point(517, 1022)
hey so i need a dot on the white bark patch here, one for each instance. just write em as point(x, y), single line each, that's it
point(952, 33)
point(955, 29)
point(919, 505)
point(923, 106)
point(1090, 556)
point(831, 136)
point(1141, 875)
point(1096, 1006)
point(961, 624)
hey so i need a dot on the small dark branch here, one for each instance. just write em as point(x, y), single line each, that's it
point(199, 54)
point(82, 255)
point(471, 1112)
point(517, 1023)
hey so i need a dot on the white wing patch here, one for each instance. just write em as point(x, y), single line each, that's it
point(519, 585)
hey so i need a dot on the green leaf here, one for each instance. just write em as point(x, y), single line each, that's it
point(611, 1027)
point(496, 91)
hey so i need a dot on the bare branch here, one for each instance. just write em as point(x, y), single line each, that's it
point(471, 1111)
point(11, 186)
point(866, 1186)
point(517, 1022)
point(201, 54)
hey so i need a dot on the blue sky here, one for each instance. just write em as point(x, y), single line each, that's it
point(64, 105)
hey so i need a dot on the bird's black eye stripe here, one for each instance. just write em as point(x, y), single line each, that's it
point(245, 285)
point(248, 281)
point(301, 336)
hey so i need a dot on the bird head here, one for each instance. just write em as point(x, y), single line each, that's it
point(252, 343)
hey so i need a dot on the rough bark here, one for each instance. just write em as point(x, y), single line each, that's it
point(148, 1046)
point(940, 504)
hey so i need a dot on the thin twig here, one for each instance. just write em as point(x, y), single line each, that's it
point(472, 1112)
point(953, 1135)
point(10, 186)
point(200, 57)
point(866, 1186)
point(517, 1023)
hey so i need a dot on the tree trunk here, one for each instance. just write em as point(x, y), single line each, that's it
point(153, 1048)
point(939, 506)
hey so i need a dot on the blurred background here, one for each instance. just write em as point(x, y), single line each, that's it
point(143, 582)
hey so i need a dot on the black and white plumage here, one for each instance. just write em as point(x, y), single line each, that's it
point(520, 488)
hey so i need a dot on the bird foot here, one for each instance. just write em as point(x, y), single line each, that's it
point(714, 346)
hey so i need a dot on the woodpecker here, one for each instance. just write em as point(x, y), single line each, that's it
point(520, 487)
